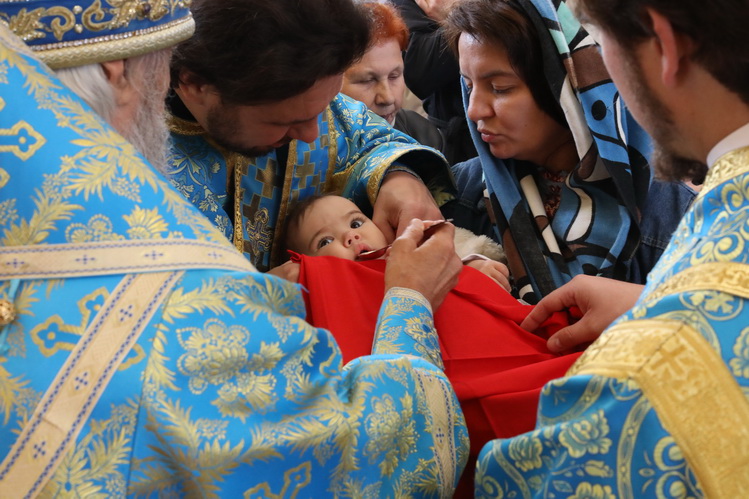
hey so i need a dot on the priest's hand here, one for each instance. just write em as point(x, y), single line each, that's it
point(429, 266)
point(598, 299)
point(402, 197)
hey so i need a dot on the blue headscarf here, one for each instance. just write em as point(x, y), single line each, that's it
point(595, 228)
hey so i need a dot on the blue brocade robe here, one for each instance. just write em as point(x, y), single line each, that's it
point(228, 392)
point(658, 406)
point(354, 150)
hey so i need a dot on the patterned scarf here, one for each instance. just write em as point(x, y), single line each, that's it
point(594, 229)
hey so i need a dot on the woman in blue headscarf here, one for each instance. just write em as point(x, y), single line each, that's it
point(561, 162)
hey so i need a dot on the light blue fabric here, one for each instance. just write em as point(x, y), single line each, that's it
point(353, 151)
point(228, 392)
point(600, 435)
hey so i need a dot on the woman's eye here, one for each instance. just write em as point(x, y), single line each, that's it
point(355, 224)
point(324, 242)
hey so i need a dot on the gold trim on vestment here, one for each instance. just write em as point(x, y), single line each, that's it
point(283, 208)
point(240, 168)
point(626, 449)
point(117, 257)
point(375, 180)
point(71, 397)
point(731, 165)
point(332, 150)
point(725, 277)
point(182, 126)
point(686, 382)
point(444, 420)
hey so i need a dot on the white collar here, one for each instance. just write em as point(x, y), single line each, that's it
point(735, 140)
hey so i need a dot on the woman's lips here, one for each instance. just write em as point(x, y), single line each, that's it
point(487, 136)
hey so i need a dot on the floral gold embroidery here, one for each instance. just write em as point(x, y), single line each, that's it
point(392, 433)
point(526, 452)
point(740, 363)
point(587, 435)
point(587, 491)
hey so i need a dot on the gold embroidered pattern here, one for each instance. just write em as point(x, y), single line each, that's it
point(728, 166)
point(21, 140)
point(83, 34)
point(685, 380)
point(727, 277)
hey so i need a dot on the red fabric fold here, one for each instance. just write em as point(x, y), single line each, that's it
point(496, 367)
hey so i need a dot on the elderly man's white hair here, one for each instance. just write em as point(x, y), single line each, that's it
point(148, 132)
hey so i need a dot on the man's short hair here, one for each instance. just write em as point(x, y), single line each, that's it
point(718, 28)
point(260, 51)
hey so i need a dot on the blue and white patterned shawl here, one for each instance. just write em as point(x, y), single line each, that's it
point(595, 230)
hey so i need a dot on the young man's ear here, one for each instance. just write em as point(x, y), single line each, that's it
point(192, 90)
point(675, 49)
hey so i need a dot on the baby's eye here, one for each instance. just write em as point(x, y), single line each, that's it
point(355, 224)
point(324, 242)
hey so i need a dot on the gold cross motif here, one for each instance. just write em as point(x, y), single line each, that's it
point(305, 172)
point(258, 235)
point(266, 176)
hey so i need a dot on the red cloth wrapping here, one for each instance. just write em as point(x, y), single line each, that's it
point(496, 367)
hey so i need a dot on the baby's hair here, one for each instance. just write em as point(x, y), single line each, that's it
point(294, 219)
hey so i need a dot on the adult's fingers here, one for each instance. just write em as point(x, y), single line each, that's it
point(572, 336)
point(382, 223)
point(556, 301)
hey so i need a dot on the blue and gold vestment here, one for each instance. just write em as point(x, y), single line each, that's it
point(354, 150)
point(227, 392)
point(658, 406)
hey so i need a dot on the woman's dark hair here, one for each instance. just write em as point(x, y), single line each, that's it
point(260, 51)
point(504, 23)
point(718, 28)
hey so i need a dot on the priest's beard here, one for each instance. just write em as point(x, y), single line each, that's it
point(222, 125)
point(666, 160)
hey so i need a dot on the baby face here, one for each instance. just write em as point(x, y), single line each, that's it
point(334, 226)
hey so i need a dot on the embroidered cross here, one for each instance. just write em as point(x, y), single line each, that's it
point(258, 233)
point(669, 359)
point(305, 172)
point(214, 255)
point(153, 255)
point(81, 380)
point(39, 449)
point(266, 177)
point(85, 259)
point(126, 313)
point(15, 263)
point(440, 435)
